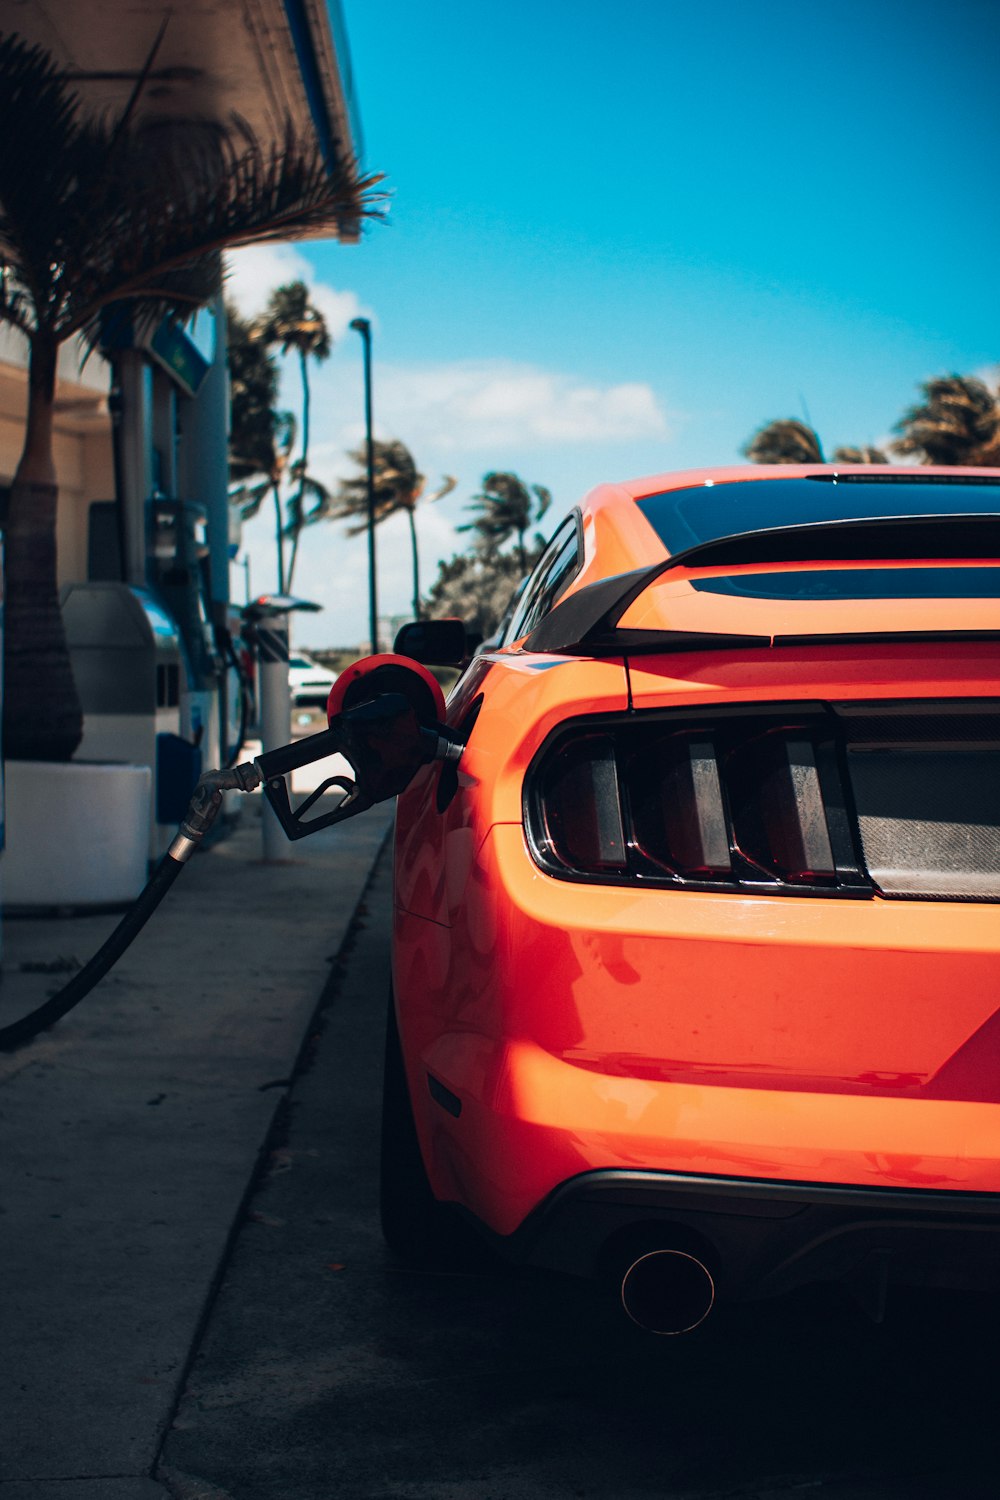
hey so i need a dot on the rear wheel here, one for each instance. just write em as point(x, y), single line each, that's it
point(414, 1224)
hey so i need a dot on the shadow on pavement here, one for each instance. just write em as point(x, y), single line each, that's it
point(332, 1372)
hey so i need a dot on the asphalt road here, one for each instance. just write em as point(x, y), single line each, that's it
point(328, 1371)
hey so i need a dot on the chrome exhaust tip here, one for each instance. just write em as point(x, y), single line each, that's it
point(667, 1292)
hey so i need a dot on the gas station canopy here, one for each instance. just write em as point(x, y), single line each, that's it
point(265, 61)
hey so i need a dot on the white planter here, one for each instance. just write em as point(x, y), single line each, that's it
point(77, 833)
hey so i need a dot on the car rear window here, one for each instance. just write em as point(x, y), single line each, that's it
point(705, 512)
point(858, 583)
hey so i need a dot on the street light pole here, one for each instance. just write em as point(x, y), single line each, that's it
point(364, 327)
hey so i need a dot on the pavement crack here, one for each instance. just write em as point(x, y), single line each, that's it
point(182, 1486)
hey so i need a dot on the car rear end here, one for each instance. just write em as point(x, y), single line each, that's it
point(737, 987)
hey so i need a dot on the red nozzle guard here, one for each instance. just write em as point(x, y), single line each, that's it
point(387, 673)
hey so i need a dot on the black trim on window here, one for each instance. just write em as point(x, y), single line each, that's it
point(535, 605)
point(587, 622)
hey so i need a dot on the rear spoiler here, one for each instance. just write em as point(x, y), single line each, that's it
point(586, 623)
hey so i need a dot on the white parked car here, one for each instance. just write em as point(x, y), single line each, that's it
point(309, 681)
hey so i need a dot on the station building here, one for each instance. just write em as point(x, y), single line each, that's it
point(144, 529)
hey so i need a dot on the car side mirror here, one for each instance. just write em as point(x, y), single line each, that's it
point(434, 643)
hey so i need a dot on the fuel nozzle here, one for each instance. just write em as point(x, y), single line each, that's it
point(386, 720)
point(385, 743)
point(206, 801)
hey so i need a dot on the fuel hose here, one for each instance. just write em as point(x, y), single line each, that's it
point(106, 956)
point(384, 741)
point(201, 813)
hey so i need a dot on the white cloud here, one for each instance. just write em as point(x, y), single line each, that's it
point(462, 417)
point(338, 308)
point(479, 404)
point(464, 405)
point(332, 569)
point(255, 271)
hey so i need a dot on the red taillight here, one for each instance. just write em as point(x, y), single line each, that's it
point(746, 802)
point(779, 817)
point(582, 807)
point(816, 799)
point(677, 807)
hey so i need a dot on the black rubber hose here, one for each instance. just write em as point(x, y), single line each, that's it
point(105, 958)
point(245, 701)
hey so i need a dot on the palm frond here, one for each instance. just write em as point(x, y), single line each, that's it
point(94, 210)
point(866, 454)
point(448, 483)
point(504, 509)
point(398, 485)
point(307, 486)
point(784, 441)
point(958, 422)
point(250, 495)
point(292, 321)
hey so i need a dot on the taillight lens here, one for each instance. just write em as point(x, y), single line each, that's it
point(678, 813)
point(837, 799)
point(779, 818)
point(749, 801)
point(581, 807)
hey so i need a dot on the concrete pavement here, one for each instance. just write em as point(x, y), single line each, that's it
point(131, 1134)
point(177, 1325)
point(330, 1370)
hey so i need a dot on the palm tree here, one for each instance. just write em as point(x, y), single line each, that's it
point(958, 422)
point(292, 322)
point(250, 492)
point(507, 507)
point(305, 484)
point(789, 441)
point(260, 436)
point(866, 454)
point(784, 441)
point(398, 487)
point(94, 210)
point(477, 586)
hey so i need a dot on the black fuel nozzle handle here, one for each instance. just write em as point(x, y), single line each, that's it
point(385, 744)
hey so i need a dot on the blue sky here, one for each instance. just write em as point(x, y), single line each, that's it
point(622, 236)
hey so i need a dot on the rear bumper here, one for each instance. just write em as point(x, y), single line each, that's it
point(762, 1238)
point(574, 1030)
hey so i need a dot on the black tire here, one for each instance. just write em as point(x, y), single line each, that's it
point(415, 1226)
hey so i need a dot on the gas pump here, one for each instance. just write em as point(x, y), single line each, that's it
point(179, 568)
point(385, 717)
point(266, 625)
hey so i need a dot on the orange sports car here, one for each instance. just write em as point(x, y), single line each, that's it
point(696, 975)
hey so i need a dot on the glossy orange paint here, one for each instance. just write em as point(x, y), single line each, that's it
point(618, 538)
point(878, 670)
point(587, 1027)
point(739, 1036)
point(523, 701)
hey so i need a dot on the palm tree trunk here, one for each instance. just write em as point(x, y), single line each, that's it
point(295, 552)
point(276, 493)
point(297, 532)
point(521, 556)
point(411, 517)
point(43, 719)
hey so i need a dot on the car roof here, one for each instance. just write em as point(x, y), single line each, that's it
point(618, 538)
